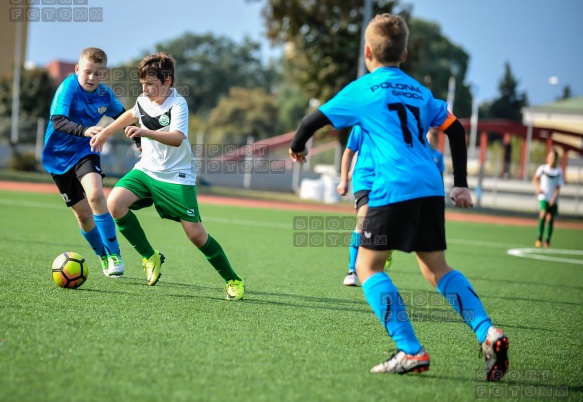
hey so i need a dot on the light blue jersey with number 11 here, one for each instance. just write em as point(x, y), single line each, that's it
point(394, 112)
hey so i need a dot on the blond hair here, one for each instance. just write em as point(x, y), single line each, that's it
point(94, 54)
point(161, 65)
point(387, 35)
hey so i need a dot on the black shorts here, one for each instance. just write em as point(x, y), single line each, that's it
point(69, 183)
point(413, 225)
point(360, 198)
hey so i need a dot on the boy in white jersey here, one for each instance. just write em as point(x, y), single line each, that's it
point(547, 181)
point(406, 203)
point(165, 176)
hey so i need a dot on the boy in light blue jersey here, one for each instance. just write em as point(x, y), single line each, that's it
point(78, 105)
point(437, 155)
point(406, 202)
point(362, 178)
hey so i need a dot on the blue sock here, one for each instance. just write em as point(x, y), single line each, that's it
point(383, 297)
point(106, 227)
point(94, 239)
point(459, 293)
point(353, 252)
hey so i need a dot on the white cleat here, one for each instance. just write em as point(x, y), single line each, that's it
point(116, 267)
point(351, 279)
point(401, 363)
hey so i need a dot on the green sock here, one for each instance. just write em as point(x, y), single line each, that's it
point(541, 228)
point(214, 253)
point(130, 228)
point(550, 229)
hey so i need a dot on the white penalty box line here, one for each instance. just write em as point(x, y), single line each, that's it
point(547, 254)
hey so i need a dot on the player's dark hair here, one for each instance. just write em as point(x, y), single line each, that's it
point(161, 65)
point(94, 54)
point(388, 35)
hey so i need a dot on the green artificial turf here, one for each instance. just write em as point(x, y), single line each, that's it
point(298, 335)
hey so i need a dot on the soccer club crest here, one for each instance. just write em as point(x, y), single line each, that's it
point(164, 120)
point(102, 109)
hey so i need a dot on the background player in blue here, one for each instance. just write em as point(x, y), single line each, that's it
point(78, 105)
point(362, 177)
point(406, 203)
point(437, 155)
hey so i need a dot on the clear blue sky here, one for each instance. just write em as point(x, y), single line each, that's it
point(540, 38)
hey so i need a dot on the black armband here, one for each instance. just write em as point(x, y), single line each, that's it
point(308, 126)
point(66, 126)
point(459, 153)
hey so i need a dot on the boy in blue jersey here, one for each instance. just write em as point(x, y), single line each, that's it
point(78, 105)
point(437, 155)
point(406, 202)
point(362, 176)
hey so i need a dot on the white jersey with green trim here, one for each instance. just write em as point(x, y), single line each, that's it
point(159, 161)
point(550, 179)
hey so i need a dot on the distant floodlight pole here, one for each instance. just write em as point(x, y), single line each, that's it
point(366, 16)
point(16, 83)
point(248, 162)
point(451, 93)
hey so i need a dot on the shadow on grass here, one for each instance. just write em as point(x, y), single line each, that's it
point(494, 387)
point(476, 278)
point(250, 296)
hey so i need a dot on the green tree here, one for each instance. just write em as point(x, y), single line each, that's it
point(321, 38)
point(244, 112)
point(433, 59)
point(509, 104)
point(566, 93)
point(36, 93)
point(291, 100)
point(208, 66)
point(322, 47)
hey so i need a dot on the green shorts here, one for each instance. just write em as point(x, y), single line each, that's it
point(544, 206)
point(172, 201)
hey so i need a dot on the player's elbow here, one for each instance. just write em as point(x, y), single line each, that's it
point(175, 140)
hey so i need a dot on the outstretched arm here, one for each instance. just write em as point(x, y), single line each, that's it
point(171, 138)
point(460, 194)
point(344, 168)
point(126, 119)
point(308, 126)
point(64, 125)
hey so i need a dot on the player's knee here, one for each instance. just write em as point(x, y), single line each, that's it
point(84, 217)
point(197, 235)
point(96, 198)
point(115, 209)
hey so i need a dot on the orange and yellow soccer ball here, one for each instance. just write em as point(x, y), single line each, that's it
point(70, 270)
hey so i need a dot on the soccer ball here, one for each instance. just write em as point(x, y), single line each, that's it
point(70, 270)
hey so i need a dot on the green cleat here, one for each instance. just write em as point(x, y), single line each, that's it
point(104, 264)
point(152, 267)
point(234, 289)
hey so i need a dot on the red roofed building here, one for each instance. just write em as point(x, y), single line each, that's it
point(60, 70)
